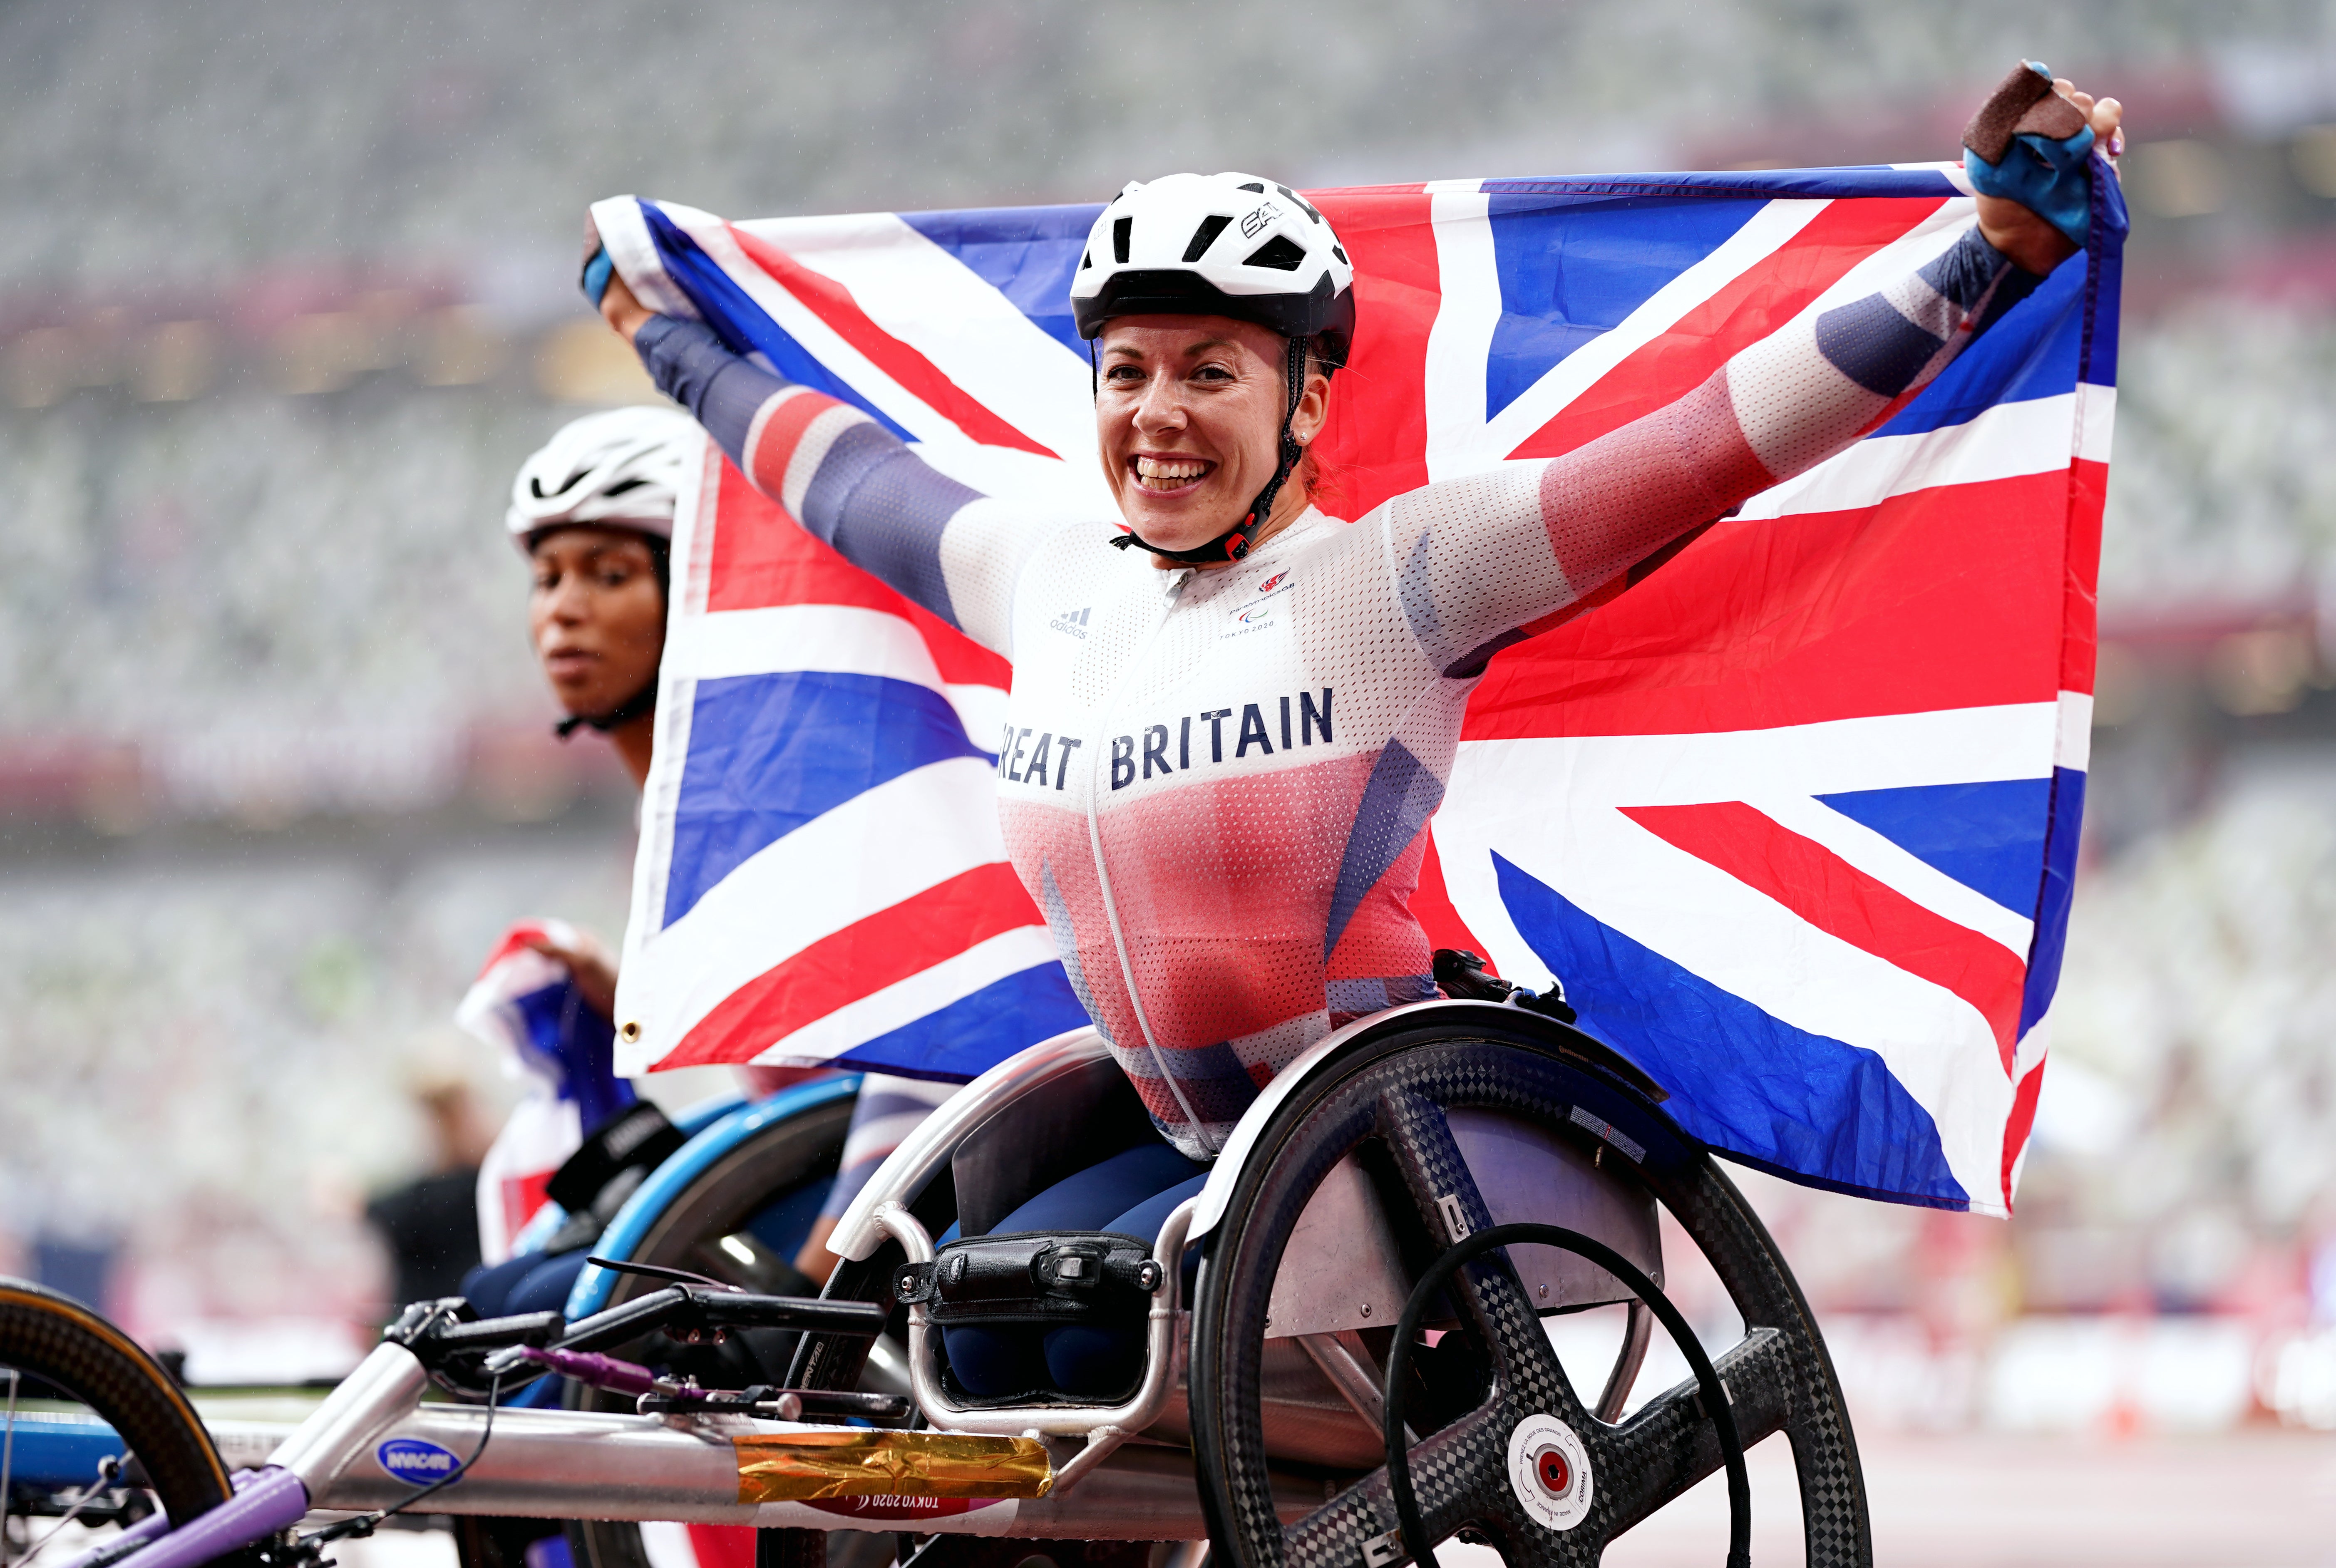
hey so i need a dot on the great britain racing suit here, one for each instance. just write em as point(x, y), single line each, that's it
point(1215, 783)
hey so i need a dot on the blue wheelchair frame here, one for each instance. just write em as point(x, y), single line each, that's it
point(714, 1130)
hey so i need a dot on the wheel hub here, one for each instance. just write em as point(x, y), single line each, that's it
point(1549, 1471)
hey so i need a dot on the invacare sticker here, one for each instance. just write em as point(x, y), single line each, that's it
point(899, 1507)
point(412, 1459)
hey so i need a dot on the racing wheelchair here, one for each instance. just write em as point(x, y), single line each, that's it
point(1345, 1350)
point(733, 1202)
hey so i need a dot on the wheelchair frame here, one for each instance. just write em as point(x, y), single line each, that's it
point(988, 1472)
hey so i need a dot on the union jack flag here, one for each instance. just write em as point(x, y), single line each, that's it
point(1794, 811)
point(528, 1008)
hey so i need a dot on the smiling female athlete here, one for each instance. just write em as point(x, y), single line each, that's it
point(1216, 775)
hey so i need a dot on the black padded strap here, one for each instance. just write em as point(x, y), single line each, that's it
point(1035, 1277)
point(639, 1138)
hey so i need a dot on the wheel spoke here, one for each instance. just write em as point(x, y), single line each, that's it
point(1456, 1477)
point(1671, 1443)
point(1490, 1297)
point(1636, 1333)
point(1523, 1546)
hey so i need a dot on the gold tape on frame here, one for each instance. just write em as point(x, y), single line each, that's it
point(808, 1466)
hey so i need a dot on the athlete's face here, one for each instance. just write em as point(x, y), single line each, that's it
point(597, 616)
point(1188, 414)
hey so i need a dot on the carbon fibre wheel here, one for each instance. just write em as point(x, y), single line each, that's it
point(1505, 1447)
point(96, 1378)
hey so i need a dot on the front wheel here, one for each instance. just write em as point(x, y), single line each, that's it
point(1505, 1447)
point(100, 1436)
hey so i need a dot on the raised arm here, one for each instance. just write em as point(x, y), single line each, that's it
point(847, 480)
point(1485, 555)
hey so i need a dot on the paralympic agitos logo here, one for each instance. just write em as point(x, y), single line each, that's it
point(1025, 755)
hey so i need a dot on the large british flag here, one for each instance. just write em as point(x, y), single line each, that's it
point(1794, 813)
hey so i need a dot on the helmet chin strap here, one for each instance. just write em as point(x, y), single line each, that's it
point(1235, 542)
point(640, 705)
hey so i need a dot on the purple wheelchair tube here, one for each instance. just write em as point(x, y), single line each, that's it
point(273, 1500)
point(598, 1371)
point(130, 1539)
point(155, 1523)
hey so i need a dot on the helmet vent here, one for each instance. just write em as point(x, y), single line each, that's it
point(1086, 261)
point(1340, 253)
point(1205, 236)
point(622, 485)
point(1119, 235)
point(1281, 253)
point(1253, 185)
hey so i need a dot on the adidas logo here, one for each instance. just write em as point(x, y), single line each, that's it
point(1072, 621)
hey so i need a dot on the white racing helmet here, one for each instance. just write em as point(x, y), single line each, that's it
point(1223, 245)
point(1218, 245)
point(621, 469)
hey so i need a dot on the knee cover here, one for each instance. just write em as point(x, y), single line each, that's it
point(994, 1363)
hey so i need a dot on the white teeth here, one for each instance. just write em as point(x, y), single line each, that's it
point(1168, 472)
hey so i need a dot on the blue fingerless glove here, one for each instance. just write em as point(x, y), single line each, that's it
point(2047, 178)
point(2042, 151)
point(596, 273)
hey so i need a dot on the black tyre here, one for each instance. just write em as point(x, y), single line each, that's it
point(91, 1368)
point(1388, 1106)
point(723, 1204)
